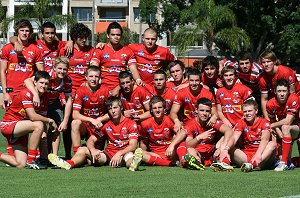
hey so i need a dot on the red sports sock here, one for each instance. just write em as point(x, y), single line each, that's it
point(226, 160)
point(158, 161)
point(10, 151)
point(0, 154)
point(181, 150)
point(71, 162)
point(31, 155)
point(75, 148)
point(286, 147)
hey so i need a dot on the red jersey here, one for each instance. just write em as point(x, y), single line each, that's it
point(118, 136)
point(159, 136)
point(252, 134)
point(291, 107)
point(136, 100)
point(211, 82)
point(112, 63)
point(267, 82)
point(168, 95)
point(57, 87)
point(188, 101)
point(49, 55)
point(20, 67)
point(232, 101)
point(149, 63)
point(79, 62)
point(22, 101)
point(172, 85)
point(194, 128)
point(91, 104)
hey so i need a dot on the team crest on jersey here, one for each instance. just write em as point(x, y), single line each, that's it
point(195, 133)
point(108, 129)
point(124, 129)
point(54, 53)
point(12, 52)
point(40, 46)
point(235, 97)
point(246, 129)
point(30, 53)
point(85, 98)
point(30, 60)
point(157, 56)
point(157, 62)
point(106, 56)
point(123, 55)
point(101, 97)
point(294, 103)
point(221, 95)
point(187, 100)
point(150, 130)
point(28, 94)
point(86, 55)
point(141, 53)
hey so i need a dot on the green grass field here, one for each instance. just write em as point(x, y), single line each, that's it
point(148, 182)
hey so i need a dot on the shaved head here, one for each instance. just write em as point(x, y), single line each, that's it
point(150, 31)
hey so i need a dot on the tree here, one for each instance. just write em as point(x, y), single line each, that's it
point(40, 11)
point(196, 20)
point(215, 24)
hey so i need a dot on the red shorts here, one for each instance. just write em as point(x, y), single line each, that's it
point(250, 152)
point(7, 129)
point(206, 153)
point(110, 153)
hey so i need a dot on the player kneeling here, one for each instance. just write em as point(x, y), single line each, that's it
point(122, 136)
point(21, 119)
point(201, 138)
point(258, 150)
point(159, 136)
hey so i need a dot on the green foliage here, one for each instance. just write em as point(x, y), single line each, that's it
point(127, 37)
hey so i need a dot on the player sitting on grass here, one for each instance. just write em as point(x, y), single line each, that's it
point(283, 111)
point(122, 136)
point(258, 151)
point(159, 136)
point(21, 119)
point(201, 138)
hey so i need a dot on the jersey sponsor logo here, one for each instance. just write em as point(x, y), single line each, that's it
point(157, 56)
point(28, 94)
point(30, 60)
point(22, 67)
point(120, 143)
point(78, 69)
point(22, 112)
point(106, 56)
point(141, 53)
point(229, 108)
point(91, 112)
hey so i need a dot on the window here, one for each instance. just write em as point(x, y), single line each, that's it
point(82, 14)
point(136, 14)
point(114, 14)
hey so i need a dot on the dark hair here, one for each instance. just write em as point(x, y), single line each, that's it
point(111, 100)
point(251, 102)
point(114, 25)
point(41, 74)
point(176, 62)
point(47, 25)
point(204, 101)
point(160, 71)
point(227, 69)
point(210, 61)
point(194, 72)
point(244, 55)
point(125, 74)
point(156, 99)
point(23, 23)
point(282, 82)
point(79, 30)
point(92, 68)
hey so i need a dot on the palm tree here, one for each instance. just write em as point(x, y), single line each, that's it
point(39, 11)
point(214, 24)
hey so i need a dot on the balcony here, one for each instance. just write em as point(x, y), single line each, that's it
point(111, 3)
point(102, 24)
